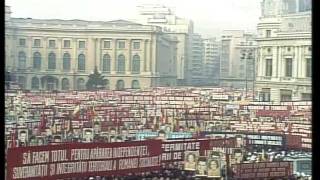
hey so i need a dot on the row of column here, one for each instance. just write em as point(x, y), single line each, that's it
point(278, 62)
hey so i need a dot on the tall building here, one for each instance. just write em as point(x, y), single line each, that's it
point(164, 17)
point(195, 71)
point(211, 60)
point(284, 60)
point(237, 59)
point(60, 54)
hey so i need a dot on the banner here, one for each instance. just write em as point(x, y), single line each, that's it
point(281, 169)
point(79, 160)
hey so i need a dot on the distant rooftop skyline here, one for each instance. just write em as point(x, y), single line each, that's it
point(210, 17)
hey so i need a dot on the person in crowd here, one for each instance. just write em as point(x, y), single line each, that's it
point(190, 163)
point(213, 169)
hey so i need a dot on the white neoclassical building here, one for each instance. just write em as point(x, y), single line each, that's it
point(284, 61)
point(60, 54)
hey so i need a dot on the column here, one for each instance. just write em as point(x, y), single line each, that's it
point(300, 62)
point(114, 58)
point(59, 55)
point(98, 53)
point(274, 62)
point(128, 57)
point(295, 62)
point(143, 58)
point(148, 56)
point(261, 63)
point(279, 61)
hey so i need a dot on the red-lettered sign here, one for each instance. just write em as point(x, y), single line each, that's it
point(79, 160)
point(268, 170)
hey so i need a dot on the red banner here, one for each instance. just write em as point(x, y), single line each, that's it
point(80, 160)
point(267, 170)
point(271, 113)
point(173, 150)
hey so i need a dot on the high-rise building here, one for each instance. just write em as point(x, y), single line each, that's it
point(284, 59)
point(60, 54)
point(196, 69)
point(180, 28)
point(211, 61)
point(237, 59)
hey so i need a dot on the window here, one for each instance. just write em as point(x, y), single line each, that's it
point(120, 85)
point(121, 45)
point(265, 94)
point(66, 65)
point(35, 83)
point(22, 81)
point(107, 44)
point(306, 97)
point(65, 84)
point(106, 63)
point(309, 48)
point(107, 84)
point(269, 50)
point(52, 43)
point(135, 84)
point(136, 45)
point(22, 60)
point(36, 43)
point(80, 84)
point(66, 43)
point(82, 44)
point(136, 64)
point(268, 67)
point(308, 67)
point(52, 61)
point(288, 69)
point(268, 33)
point(22, 42)
point(36, 60)
point(288, 49)
point(81, 62)
point(121, 64)
point(285, 95)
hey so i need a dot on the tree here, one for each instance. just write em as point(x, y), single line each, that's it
point(96, 80)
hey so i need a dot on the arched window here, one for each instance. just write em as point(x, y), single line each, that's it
point(35, 83)
point(81, 62)
point(106, 63)
point(121, 64)
point(65, 84)
point(120, 85)
point(107, 84)
point(135, 84)
point(22, 81)
point(136, 64)
point(80, 84)
point(36, 60)
point(52, 61)
point(66, 62)
point(22, 60)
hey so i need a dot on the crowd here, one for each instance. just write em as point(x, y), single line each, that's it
point(34, 119)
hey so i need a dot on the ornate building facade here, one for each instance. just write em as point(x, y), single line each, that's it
point(284, 61)
point(60, 54)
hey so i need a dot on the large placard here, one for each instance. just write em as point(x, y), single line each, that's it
point(79, 160)
point(268, 170)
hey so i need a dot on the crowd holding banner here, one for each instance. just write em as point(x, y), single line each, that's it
point(196, 130)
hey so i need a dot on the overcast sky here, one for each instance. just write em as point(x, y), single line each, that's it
point(210, 17)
